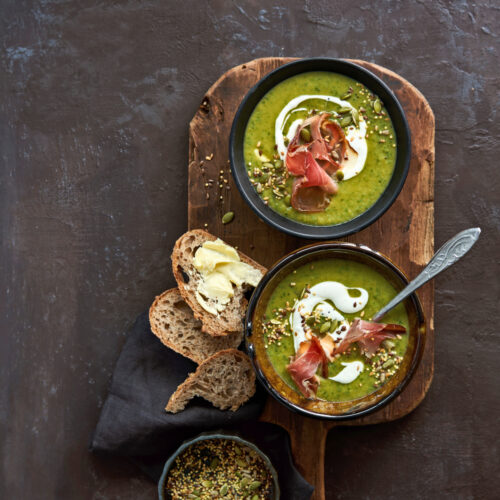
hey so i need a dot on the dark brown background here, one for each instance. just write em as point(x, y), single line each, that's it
point(96, 98)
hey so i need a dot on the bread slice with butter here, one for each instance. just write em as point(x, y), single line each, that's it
point(226, 379)
point(213, 278)
point(172, 321)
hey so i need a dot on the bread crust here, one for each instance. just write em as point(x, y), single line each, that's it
point(225, 322)
point(172, 321)
point(237, 387)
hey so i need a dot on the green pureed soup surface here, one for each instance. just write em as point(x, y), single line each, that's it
point(265, 165)
point(280, 347)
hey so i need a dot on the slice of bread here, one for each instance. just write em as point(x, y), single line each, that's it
point(226, 379)
point(172, 321)
point(188, 278)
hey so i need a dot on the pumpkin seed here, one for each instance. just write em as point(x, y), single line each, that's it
point(377, 106)
point(347, 120)
point(340, 175)
point(388, 344)
point(207, 484)
point(325, 327)
point(244, 482)
point(214, 462)
point(227, 217)
point(268, 165)
point(346, 96)
point(192, 495)
point(278, 164)
point(240, 462)
point(237, 450)
point(388, 363)
point(344, 110)
point(255, 497)
point(305, 135)
point(254, 485)
point(223, 489)
point(355, 116)
point(334, 323)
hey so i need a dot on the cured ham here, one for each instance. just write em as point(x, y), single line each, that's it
point(316, 176)
point(328, 346)
point(337, 146)
point(303, 369)
point(368, 335)
point(315, 352)
point(312, 199)
point(314, 161)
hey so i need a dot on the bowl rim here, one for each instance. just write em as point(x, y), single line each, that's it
point(220, 434)
point(300, 229)
point(331, 245)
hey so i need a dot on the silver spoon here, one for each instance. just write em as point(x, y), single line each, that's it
point(446, 256)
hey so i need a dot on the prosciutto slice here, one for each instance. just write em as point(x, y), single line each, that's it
point(313, 163)
point(312, 199)
point(338, 146)
point(368, 335)
point(303, 369)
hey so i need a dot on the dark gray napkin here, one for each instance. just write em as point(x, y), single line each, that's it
point(133, 421)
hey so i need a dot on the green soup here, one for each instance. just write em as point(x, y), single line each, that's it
point(377, 369)
point(264, 161)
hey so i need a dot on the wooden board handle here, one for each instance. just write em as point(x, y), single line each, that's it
point(308, 449)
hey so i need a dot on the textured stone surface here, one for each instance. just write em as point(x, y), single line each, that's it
point(95, 103)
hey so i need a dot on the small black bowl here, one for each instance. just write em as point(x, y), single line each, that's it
point(403, 143)
point(217, 435)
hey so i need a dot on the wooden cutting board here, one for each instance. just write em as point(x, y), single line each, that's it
point(405, 233)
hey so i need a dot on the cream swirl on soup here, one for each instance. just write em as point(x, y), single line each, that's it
point(316, 301)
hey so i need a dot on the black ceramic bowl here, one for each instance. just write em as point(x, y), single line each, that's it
point(284, 393)
point(403, 144)
point(216, 435)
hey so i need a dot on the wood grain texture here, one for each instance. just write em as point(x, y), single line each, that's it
point(405, 233)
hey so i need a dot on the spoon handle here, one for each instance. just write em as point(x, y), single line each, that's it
point(446, 256)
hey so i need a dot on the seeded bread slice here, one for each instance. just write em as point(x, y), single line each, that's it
point(172, 321)
point(226, 379)
point(188, 278)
